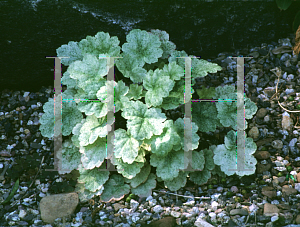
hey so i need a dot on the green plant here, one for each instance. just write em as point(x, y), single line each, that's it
point(285, 4)
point(289, 168)
point(150, 138)
point(229, 194)
point(214, 182)
point(223, 180)
point(237, 199)
point(244, 192)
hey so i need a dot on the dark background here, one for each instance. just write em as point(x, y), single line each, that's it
point(32, 30)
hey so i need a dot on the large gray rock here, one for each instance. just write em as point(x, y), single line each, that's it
point(32, 30)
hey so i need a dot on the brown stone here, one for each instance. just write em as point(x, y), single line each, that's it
point(261, 113)
point(286, 190)
point(298, 177)
point(297, 219)
point(164, 222)
point(269, 194)
point(270, 209)
point(284, 206)
point(263, 167)
point(267, 188)
point(263, 141)
point(253, 133)
point(118, 206)
point(262, 155)
point(58, 206)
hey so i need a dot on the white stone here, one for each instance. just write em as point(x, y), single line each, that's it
point(29, 122)
point(27, 200)
point(253, 208)
point(274, 218)
point(293, 142)
point(278, 163)
point(26, 94)
point(175, 214)
point(22, 213)
point(36, 212)
point(285, 162)
point(158, 209)
point(212, 215)
point(149, 198)
point(201, 223)
point(42, 194)
point(297, 186)
point(214, 205)
point(152, 202)
point(133, 204)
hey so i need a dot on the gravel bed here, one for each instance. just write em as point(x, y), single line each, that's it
point(270, 197)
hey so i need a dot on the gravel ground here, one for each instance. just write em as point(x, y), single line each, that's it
point(270, 197)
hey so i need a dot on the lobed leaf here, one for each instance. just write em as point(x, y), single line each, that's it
point(162, 144)
point(92, 128)
point(142, 46)
point(85, 194)
point(141, 177)
point(158, 86)
point(94, 154)
point(70, 50)
point(126, 147)
point(145, 189)
point(114, 189)
point(227, 158)
point(70, 117)
point(178, 182)
point(70, 158)
point(143, 122)
point(102, 44)
point(93, 179)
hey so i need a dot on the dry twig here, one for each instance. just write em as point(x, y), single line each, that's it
point(278, 74)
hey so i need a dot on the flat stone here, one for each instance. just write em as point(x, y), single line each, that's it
point(262, 155)
point(288, 191)
point(263, 141)
point(267, 188)
point(36, 145)
point(261, 113)
point(284, 206)
point(58, 206)
point(201, 223)
point(270, 209)
point(263, 167)
point(164, 222)
point(298, 177)
point(118, 206)
point(242, 212)
point(297, 219)
point(269, 194)
point(254, 133)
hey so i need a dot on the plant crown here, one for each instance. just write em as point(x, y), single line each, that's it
point(149, 61)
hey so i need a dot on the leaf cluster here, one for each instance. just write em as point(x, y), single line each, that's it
point(149, 61)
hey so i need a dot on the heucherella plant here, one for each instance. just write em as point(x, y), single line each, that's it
point(151, 139)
